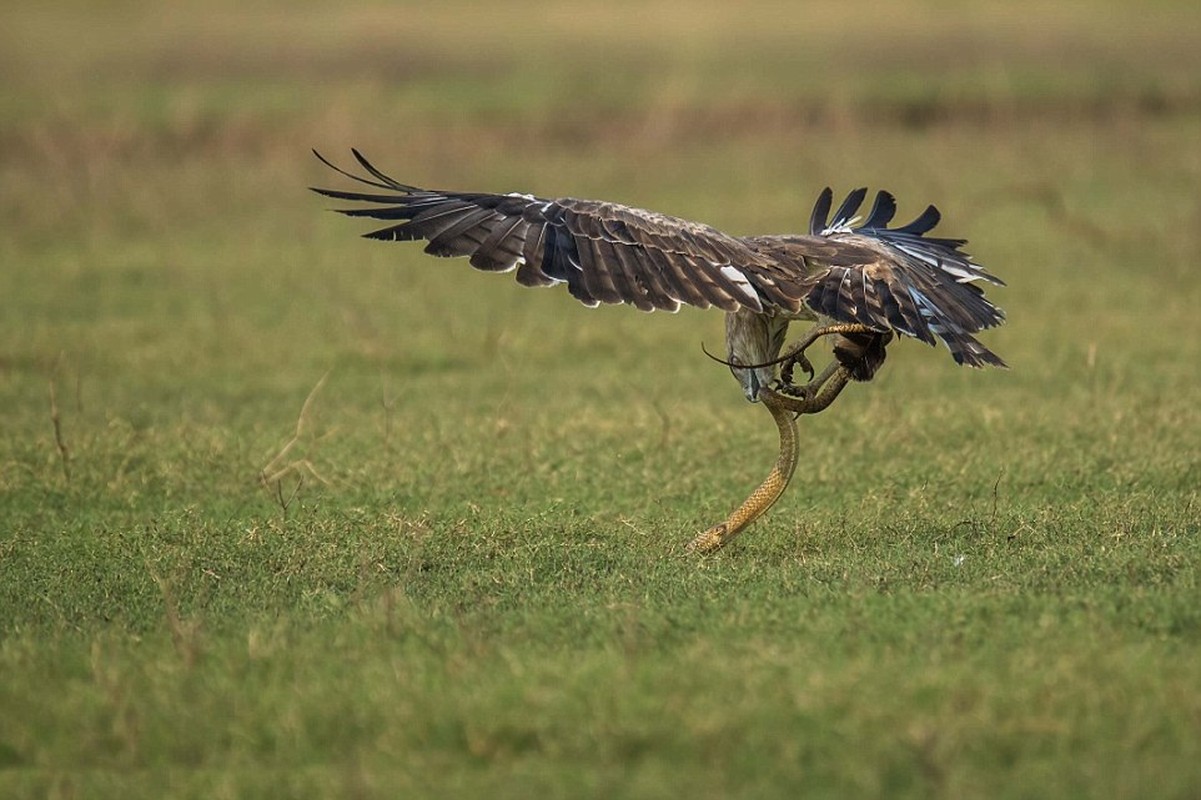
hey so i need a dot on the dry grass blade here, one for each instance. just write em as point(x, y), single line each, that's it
point(277, 467)
point(64, 453)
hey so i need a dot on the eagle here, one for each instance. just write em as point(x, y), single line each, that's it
point(861, 282)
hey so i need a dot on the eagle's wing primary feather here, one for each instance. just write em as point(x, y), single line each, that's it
point(604, 252)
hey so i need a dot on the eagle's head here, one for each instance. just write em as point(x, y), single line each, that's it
point(754, 338)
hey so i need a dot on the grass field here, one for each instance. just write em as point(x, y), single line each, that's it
point(464, 572)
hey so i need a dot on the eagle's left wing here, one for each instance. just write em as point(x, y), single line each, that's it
point(604, 252)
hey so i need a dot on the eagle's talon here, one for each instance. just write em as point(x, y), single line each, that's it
point(793, 361)
point(790, 389)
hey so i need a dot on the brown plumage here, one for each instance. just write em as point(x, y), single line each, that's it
point(892, 280)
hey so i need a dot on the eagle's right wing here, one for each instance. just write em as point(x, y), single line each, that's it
point(894, 279)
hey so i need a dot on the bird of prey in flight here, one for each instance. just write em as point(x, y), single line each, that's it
point(858, 280)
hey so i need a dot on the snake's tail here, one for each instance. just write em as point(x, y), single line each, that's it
point(768, 492)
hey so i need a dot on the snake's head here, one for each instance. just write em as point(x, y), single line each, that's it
point(711, 540)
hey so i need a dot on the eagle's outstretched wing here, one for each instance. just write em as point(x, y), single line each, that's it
point(894, 279)
point(604, 252)
point(886, 278)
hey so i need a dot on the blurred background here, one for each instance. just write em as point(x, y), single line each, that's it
point(156, 224)
point(283, 507)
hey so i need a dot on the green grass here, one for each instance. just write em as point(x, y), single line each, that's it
point(468, 577)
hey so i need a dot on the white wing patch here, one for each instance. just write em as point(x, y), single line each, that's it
point(841, 226)
point(736, 277)
point(929, 312)
point(961, 274)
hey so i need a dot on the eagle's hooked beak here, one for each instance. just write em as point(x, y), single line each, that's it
point(752, 386)
point(747, 376)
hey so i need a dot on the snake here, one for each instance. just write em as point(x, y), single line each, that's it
point(784, 411)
